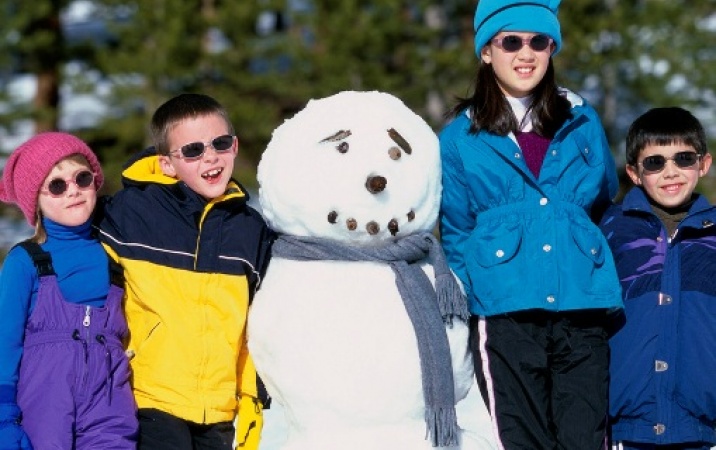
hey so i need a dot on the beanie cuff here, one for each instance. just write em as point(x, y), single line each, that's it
point(534, 17)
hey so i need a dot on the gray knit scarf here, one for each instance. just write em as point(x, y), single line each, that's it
point(428, 308)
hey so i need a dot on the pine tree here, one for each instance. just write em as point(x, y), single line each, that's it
point(34, 43)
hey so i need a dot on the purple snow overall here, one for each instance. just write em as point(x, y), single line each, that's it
point(74, 386)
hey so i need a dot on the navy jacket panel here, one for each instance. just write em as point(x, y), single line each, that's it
point(664, 358)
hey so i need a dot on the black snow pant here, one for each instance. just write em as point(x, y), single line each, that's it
point(544, 377)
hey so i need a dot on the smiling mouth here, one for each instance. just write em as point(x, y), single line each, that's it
point(212, 174)
point(525, 70)
point(671, 188)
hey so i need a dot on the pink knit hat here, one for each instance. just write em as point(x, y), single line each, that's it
point(31, 162)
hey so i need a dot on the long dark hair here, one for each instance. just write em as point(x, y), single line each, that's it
point(490, 110)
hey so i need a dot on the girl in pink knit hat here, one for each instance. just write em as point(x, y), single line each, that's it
point(64, 377)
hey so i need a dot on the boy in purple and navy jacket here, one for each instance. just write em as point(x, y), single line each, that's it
point(663, 238)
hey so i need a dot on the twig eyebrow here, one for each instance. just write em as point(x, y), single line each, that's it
point(338, 136)
point(400, 140)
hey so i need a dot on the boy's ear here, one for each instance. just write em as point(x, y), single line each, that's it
point(167, 166)
point(633, 173)
point(705, 164)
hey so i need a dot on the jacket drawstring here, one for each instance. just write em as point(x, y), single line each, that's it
point(108, 359)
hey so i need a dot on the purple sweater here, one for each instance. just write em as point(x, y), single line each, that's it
point(534, 148)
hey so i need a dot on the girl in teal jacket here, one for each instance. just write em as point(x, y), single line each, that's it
point(526, 173)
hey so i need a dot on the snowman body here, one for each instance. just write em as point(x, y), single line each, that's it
point(332, 340)
point(335, 347)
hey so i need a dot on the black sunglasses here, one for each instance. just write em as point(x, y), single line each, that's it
point(194, 150)
point(513, 43)
point(683, 160)
point(58, 186)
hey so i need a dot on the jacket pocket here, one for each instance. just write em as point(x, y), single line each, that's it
point(493, 264)
point(589, 266)
point(140, 346)
point(589, 242)
point(589, 155)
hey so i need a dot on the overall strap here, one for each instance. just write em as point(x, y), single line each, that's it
point(41, 258)
point(116, 273)
point(43, 263)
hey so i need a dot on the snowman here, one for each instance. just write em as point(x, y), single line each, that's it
point(358, 330)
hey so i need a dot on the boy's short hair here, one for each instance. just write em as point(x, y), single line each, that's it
point(664, 126)
point(179, 108)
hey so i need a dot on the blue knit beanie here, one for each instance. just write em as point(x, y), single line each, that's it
point(538, 16)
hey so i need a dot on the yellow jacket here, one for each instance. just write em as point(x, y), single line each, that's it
point(191, 267)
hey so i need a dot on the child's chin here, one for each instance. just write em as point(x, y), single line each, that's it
point(213, 191)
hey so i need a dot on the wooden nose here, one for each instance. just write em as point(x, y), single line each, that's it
point(375, 184)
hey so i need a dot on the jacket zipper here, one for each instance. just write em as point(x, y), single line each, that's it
point(86, 323)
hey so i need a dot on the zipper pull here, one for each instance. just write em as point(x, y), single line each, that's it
point(86, 321)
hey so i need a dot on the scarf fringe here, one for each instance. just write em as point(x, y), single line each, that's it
point(442, 427)
point(451, 300)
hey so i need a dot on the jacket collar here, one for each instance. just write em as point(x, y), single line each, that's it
point(701, 214)
point(144, 170)
point(512, 153)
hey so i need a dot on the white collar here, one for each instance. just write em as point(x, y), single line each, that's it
point(519, 108)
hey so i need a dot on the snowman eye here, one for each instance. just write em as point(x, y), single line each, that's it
point(394, 153)
point(400, 140)
point(342, 147)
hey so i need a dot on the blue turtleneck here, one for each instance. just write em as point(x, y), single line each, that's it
point(82, 272)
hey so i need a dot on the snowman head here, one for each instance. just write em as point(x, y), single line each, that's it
point(355, 166)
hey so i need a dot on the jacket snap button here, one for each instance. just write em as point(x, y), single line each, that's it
point(664, 299)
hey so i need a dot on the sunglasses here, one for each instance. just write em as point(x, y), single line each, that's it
point(58, 186)
point(513, 43)
point(683, 160)
point(194, 150)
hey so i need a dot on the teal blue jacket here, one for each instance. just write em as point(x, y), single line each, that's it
point(518, 242)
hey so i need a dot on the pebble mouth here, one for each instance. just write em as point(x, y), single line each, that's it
point(372, 227)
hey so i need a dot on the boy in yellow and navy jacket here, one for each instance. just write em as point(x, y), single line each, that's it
point(193, 254)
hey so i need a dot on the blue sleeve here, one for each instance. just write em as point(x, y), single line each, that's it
point(457, 219)
point(17, 283)
point(12, 436)
point(609, 187)
point(611, 180)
